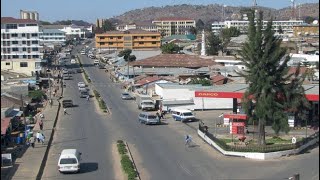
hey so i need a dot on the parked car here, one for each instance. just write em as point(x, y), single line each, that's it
point(148, 118)
point(126, 96)
point(102, 66)
point(81, 84)
point(67, 103)
point(78, 70)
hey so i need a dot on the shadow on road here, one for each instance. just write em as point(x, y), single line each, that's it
point(310, 148)
point(69, 141)
point(88, 167)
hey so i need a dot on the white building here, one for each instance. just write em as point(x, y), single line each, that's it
point(70, 31)
point(52, 36)
point(286, 26)
point(20, 45)
point(174, 25)
point(146, 26)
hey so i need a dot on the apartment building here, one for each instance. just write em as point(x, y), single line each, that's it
point(130, 39)
point(286, 26)
point(146, 26)
point(20, 45)
point(306, 30)
point(174, 25)
point(52, 35)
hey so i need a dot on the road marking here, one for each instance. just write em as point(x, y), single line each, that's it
point(184, 169)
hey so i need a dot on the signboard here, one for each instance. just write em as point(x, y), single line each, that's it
point(291, 121)
point(226, 121)
point(237, 127)
point(218, 94)
point(236, 116)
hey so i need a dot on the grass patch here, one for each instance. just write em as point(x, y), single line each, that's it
point(101, 102)
point(126, 162)
point(278, 140)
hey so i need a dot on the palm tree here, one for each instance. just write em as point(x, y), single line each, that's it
point(126, 54)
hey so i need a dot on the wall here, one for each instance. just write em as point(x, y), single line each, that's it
point(15, 66)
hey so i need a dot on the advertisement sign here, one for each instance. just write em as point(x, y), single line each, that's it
point(236, 116)
point(226, 121)
point(218, 94)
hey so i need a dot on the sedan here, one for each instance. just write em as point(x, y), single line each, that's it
point(81, 84)
point(126, 96)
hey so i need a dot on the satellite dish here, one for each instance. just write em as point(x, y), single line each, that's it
point(315, 22)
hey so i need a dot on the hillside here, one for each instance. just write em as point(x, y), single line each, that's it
point(210, 13)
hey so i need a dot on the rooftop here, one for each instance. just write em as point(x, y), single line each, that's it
point(7, 20)
point(174, 19)
point(131, 31)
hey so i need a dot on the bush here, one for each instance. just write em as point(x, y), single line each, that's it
point(128, 168)
point(36, 95)
point(122, 148)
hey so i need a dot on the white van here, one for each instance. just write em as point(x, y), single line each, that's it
point(96, 62)
point(69, 161)
point(182, 115)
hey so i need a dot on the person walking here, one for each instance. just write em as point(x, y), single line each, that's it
point(38, 136)
point(88, 97)
point(188, 140)
point(64, 111)
point(42, 137)
point(41, 124)
point(32, 141)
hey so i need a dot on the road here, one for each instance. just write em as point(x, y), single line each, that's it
point(159, 150)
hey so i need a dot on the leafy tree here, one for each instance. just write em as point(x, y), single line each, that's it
point(169, 48)
point(280, 30)
point(36, 95)
point(200, 25)
point(268, 79)
point(213, 44)
point(202, 81)
point(45, 23)
point(193, 31)
point(126, 54)
point(108, 26)
point(309, 19)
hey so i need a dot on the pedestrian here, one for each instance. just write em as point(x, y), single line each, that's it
point(42, 137)
point(54, 94)
point(88, 98)
point(32, 141)
point(41, 125)
point(162, 114)
point(38, 136)
point(64, 111)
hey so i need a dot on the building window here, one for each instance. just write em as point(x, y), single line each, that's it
point(35, 56)
point(23, 35)
point(102, 43)
point(24, 42)
point(142, 37)
point(23, 64)
point(22, 25)
point(34, 35)
point(101, 38)
point(24, 49)
point(34, 42)
point(135, 37)
point(110, 43)
point(111, 37)
point(31, 25)
point(34, 49)
point(119, 37)
point(141, 43)
point(24, 56)
point(7, 64)
point(154, 42)
point(14, 42)
point(14, 35)
point(11, 26)
point(154, 37)
point(15, 57)
point(15, 49)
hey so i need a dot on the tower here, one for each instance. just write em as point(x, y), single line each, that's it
point(203, 44)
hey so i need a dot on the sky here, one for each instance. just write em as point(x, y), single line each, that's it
point(90, 10)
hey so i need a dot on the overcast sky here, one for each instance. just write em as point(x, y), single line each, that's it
point(90, 10)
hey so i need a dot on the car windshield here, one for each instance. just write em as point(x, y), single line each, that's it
point(188, 114)
point(152, 117)
point(148, 103)
point(68, 161)
point(125, 94)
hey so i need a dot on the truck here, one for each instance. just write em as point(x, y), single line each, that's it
point(145, 102)
point(67, 103)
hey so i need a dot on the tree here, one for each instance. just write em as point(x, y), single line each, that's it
point(45, 23)
point(268, 79)
point(169, 48)
point(309, 19)
point(280, 30)
point(193, 31)
point(213, 44)
point(200, 25)
point(202, 81)
point(108, 25)
point(126, 54)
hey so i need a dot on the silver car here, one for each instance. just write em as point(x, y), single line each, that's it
point(148, 118)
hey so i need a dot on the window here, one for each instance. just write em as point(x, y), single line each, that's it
point(24, 56)
point(34, 35)
point(154, 42)
point(15, 57)
point(34, 42)
point(24, 42)
point(154, 37)
point(23, 35)
point(15, 49)
point(31, 25)
point(14, 42)
point(34, 49)
point(14, 35)
point(111, 37)
point(102, 43)
point(142, 37)
point(35, 56)
point(119, 37)
point(23, 64)
point(141, 43)
point(22, 25)
point(135, 37)
point(7, 63)
point(11, 26)
point(101, 38)
point(110, 43)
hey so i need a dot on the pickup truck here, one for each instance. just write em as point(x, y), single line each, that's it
point(67, 103)
point(145, 102)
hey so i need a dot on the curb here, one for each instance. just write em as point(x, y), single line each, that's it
point(134, 164)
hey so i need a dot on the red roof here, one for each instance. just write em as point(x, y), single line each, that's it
point(174, 19)
point(174, 60)
point(7, 20)
point(5, 122)
point(147, 80)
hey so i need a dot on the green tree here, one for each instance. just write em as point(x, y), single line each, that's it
point(169, 48)
point(213, 44)
point(45, 23)
point(267, 78)
point(108, 25)
point(280, 30)
point(202, 81)
point(200, 25)
point(226, 35)
point(193, 31)
point(36, 95)
point(309, 19)
point(126, 54)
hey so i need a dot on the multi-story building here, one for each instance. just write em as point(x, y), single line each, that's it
point(52, 35)
point(174, 25)
point(306, 30)
point(286, 26)
point(20, 45)
point(130, 39)
point(71, 30)
point(34, 15)
point(146, 26)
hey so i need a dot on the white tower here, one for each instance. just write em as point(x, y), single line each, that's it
point(203, 44)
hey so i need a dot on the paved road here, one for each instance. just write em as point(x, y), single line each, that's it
point(160, 149)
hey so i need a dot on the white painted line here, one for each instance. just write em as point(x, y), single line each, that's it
point(184, 169)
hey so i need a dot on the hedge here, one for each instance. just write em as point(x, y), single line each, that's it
point(126, 162)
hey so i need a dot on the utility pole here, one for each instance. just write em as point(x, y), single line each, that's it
point(23, 116)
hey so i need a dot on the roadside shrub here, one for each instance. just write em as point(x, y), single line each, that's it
point(122, 148)
point(128, 168)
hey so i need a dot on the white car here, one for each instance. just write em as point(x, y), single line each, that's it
point(81, 85)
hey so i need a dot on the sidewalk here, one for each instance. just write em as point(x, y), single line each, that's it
point(32, 162)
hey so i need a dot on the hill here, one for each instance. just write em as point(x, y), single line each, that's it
point(211, 13)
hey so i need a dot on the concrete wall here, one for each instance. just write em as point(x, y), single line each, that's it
point(14, 66)
point(260, 156)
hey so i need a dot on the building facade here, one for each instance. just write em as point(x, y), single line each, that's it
point(174, 25)
point(286, 26)
point(34, 15)
point(146, 26)
point(131, 39)
point(306, 30)
point(52, 36)
point(20, 45)
point(99, 23)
